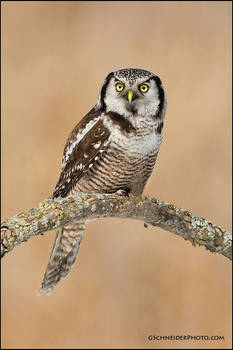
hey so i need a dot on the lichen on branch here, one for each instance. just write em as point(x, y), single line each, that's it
point(51, 214)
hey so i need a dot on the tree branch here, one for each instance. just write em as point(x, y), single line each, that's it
point(51, 214)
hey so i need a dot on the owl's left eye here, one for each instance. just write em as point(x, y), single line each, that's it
point(144, 88)
point(119, 87)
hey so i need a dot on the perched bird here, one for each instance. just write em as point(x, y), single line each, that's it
point(114, 147)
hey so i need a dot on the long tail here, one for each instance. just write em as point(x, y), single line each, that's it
point(63, 256)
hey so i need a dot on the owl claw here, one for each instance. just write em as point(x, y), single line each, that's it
point(123, 193)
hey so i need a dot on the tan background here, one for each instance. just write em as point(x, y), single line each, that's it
point(129, 282)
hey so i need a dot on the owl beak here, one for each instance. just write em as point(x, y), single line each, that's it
point(130, 96)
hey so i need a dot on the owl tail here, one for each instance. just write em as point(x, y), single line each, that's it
point(63, 256)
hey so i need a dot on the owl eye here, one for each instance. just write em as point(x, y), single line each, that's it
point(119, 87)
point(144, 88)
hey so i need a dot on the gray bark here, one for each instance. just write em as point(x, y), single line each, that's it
point(51, 214)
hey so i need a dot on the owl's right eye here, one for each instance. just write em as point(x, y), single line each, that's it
point(119, 87)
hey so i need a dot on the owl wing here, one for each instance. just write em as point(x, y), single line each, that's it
point(88, 139)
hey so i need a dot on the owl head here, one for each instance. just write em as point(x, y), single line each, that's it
point(134, 92)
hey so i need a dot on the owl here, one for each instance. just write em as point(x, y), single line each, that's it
point(112, 149)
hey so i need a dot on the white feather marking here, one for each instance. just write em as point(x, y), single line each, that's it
point(79, 137)
point(97, 145)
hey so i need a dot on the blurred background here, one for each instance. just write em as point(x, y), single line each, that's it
point(129, 282)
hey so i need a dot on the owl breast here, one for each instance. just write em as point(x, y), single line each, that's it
point(126, 164)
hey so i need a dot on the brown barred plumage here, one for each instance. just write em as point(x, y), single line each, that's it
point(114, 147)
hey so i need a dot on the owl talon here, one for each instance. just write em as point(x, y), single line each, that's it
point(123, 193)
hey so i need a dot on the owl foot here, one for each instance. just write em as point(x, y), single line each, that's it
point(123, 193)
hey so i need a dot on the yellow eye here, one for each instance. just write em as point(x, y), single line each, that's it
point(144, 88)
point(119, 87)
